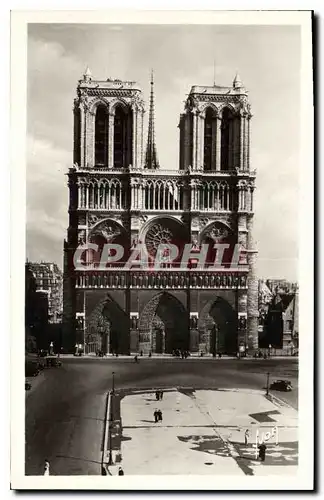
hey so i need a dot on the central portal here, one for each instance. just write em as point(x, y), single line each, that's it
point(165, 319)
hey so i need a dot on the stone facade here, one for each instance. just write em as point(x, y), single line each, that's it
point(49, 279)
point(120, 195)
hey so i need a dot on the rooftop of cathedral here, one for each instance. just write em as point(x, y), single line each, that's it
point(236, 88)
point(216, 89)
point(88, 82)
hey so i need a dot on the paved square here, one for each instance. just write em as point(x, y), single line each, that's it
point(202, 432)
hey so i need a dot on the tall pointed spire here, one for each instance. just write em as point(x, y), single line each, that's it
point(151, 159)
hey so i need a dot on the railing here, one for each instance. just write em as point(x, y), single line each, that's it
point(145, 172)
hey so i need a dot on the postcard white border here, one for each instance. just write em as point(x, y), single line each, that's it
point(304, 477)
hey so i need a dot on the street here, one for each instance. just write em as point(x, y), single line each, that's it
point(65, 410)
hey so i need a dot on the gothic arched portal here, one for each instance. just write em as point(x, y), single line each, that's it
point(217, 327)
point(108, 328)
point(165, 319)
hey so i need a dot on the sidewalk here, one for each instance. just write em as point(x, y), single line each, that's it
point(202, 432)
point(195, 356)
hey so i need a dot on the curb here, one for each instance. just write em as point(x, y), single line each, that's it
point(278, 402)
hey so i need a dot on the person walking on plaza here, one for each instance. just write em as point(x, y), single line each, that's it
point(161, 395)
point(262, 452)
point(156, 416)
point(159, 416)
point(120, 472)
point(246, 437)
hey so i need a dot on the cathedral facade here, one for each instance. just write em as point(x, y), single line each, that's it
point(120, 194)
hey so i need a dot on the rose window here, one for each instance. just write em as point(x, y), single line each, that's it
point(158, 235)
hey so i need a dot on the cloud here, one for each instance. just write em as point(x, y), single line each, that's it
point(52, 80)
point(47, 197)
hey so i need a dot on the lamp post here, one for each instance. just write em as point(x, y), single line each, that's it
point(268, 376)
point(113, 383)
point(111, 418)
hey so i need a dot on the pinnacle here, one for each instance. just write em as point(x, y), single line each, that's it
point(87, 74)
point(237, 82)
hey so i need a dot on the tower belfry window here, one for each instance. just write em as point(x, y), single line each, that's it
point(225, 142)
point(209, 139)
point(101, 136)
point(120, 138)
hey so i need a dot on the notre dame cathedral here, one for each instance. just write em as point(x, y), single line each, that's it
point(119, 192)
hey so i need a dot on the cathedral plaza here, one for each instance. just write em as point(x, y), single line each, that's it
point(192, 285)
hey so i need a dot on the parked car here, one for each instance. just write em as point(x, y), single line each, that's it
point(53, 361)
point(281, 385)
point(31, 369)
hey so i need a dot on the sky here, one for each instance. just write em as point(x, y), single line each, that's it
point(268, 61)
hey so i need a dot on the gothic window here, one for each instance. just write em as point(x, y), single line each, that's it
point(225, 139)
point(115, 195)
point(122, 138)
point(158, 195)
point(91, 196)
point(179, 200)
point(149, 194)
point(95, 196)
point(101, 136)
point(209, 138)
point(102, 196)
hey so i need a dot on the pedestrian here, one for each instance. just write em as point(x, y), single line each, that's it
point(157, 395)
point(246, 436)
point(262, 452)
point(46, 468)
point(141, 353)
point(161, 395)
point(156, 416)
point(120, 472)
point(159, 416)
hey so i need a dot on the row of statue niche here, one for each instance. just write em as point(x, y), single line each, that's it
point(158, 280)
point(135, 321)
point(104, 280)
point(170, 280)
point(193, 322)
point(218, 280)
